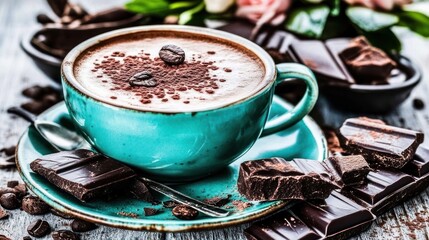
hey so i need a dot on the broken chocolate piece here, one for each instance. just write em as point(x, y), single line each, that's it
point(352, 169)
point(170, 204)
point(365, 62)
point(275, 178)
point(420, 165)
point(83, 173)
point(141, 191)
point(12, 184)
point(184, 212)
point(150, 211)
point(380, 144)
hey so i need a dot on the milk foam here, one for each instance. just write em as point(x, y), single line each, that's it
point(246, 77)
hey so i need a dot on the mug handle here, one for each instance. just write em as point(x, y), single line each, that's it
point(290, 71)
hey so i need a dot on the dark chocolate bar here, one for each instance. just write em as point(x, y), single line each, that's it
point(276, 178)
point(316, 56)
point(83, 173)
point(336, 217)
point(283, 226)
point(419, 168)
point(382, 190)
point(381, 145)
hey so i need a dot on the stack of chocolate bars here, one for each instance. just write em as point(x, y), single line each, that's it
point(383, 166)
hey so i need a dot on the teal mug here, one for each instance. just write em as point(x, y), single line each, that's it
point(182, 146)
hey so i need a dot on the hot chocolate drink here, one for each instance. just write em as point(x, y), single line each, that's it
point(170, 71)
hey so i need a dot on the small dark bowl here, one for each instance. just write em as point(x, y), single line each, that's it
point(50, 65)
point(375, 98)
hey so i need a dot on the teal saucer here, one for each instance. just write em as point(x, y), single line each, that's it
point(304, 140)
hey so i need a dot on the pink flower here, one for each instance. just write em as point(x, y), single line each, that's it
point(263, 11)
point(385, 5)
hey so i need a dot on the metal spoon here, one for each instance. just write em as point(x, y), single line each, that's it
point(63, 139)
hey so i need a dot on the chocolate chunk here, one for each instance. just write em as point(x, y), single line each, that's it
point(324, 169)
point(143, 79)
point(3, 214)
point(26, 238)
point(82, 226)
point(7, 163)
point(366, 62)
point(418, 104)
point(83, 173)
point(39, 228)
point(352, 169)
point(218, 201)
point(380, 144)
point(141, 191)
point(3, 237)
point(337, 215)
point(282, 226)
point(150, 211)
point(170, 204)
point(381, 191)
point(184, 212)
point(12, 184)
point(420, 165)
point(43, 19)
point(316, 56)
point(60, 214)
point(334, 145)
point(35, 92)
point(35, 107)
point(9, 201)
point(275, 178)
point(34, 205)
point(172, 54)
point(9, 151)
point(64, 235)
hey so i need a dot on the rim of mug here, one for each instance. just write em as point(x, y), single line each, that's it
point(67, 66)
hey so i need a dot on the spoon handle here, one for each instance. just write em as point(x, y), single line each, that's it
point(183, 199)
point(22, 113)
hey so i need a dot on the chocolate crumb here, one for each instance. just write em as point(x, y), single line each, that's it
point(170, 204)
point(12, 184)
point(240, 205)
point(150, 211)
point(128, 214)
point(218, 201)
point(227, 69)
point(211, 52)
point(184, 212)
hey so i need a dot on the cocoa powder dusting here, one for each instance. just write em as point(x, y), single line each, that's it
point(171, 79)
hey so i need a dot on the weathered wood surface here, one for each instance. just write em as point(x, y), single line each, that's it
point(18, 72)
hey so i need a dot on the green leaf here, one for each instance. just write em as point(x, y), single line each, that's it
point(308, 21)
point(415, 21)
point(384, 39)
point(186, 16)
point(369, 20)
point(152, 7)
point(421, 7)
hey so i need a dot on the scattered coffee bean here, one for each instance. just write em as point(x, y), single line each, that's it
point(9, 201)
point(39, 228)
point(172, 54)
point(218, 201)
point(64, 235)
point(150, 211)
point(82, 226)
point(170, 204)
point(4, 190)
point(184, 212)
point(3, 214)
point(418, 104)
point(22, 190)
point(143, 79)
point(9, 151)
point(227, 69)
point(3, 237)
point(44, 19)
point(34, 205)
point(60, 214)
point(26, 238)
point(12, 184)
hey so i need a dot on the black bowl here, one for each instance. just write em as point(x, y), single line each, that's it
point(50, 65)
point(375, 98)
